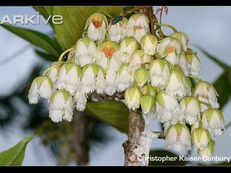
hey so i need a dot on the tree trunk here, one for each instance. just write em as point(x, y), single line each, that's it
point(82, 151)
point(137, 147)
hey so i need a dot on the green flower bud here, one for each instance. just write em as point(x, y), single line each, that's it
point(147, 103)
point(141, 76)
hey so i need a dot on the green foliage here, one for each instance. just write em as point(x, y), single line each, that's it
point(45, 55)
point(45, 11)
point(15, 155)
point(74, 18)
point(36, 38)
point(173, 159)
point(112, 112)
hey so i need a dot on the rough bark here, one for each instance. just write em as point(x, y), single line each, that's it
point(82, 152)
point(137, 147)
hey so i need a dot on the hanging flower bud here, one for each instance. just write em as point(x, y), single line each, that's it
point(178, 137)
point(138, 26)
point(147, 103)
point(206, 93)
point(84, 51)
point(127, 46)
point(40, 87)
point(201, 138)
point(159, 73)
point(177, 84)
point(106, 51)
point(141, 76)
point(53, 70)
point(124, 78)
point(182, 37)
point(132, 98)
point(208, 151)
point(96, 27)
point(167, 108)
point(149, 44)
point(213, 121)
point(170, 49)
point(191, 109)
point(61, 106)
point(138, 59)
point(69, 77)
point(190, 63)
point(119, 30)
point(89, 75)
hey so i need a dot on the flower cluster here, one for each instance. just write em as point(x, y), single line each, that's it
point(154, 74)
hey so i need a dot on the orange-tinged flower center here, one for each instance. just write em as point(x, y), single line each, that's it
point(138, 27)
point(108, 51)
point(170, 49)
point(97, 22)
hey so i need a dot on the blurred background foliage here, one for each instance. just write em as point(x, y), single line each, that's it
point(61, 138)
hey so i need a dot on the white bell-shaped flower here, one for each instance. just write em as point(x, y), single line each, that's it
point(191, 108)
point(100, 81)
point(190, 63)
point(149, 44)
point(132, 98)
point(138, 26)
point(182, 37)
point(206, 93)
point(53, 71)
point(111, 73)
point(200, 138)
point(81, 100)
point(118, 30)
point(96, 26)
point(69, 77)
point(168, 109)
point(106, 51)
point(89, 76)
point(61, 106)
point(170, 49)
point(85, 50)
point(138, 59)
point(178, 137)
point(213, 121)
point(124, 78)
point(159, 73)
point(127, 46)
point(208, 151)
point(177, 84)
point(40, 87)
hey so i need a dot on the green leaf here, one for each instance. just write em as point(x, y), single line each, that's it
point(156, 157)
point(112, 112)
point(223, 87)
point(14, 156)
point(36, 38)
point(46, 56)
point(45, 11)
point(74, 19)
point(213, 58)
